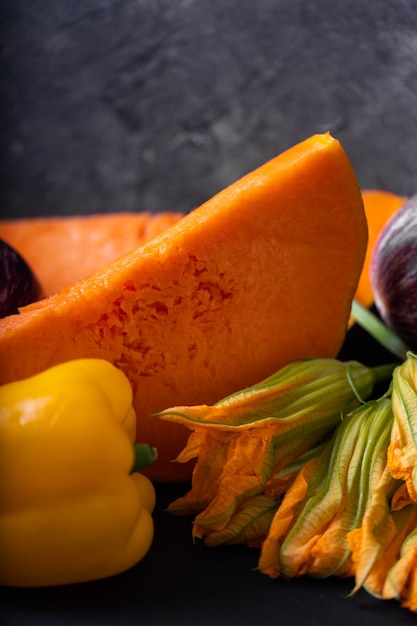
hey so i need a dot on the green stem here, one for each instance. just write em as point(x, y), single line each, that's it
point(382, 373)
point(377, 329)
point(145, 455)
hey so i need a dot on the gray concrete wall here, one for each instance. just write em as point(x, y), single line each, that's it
point(111, 105)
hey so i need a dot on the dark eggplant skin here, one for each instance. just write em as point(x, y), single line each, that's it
point(18, 284)
point(394, 273)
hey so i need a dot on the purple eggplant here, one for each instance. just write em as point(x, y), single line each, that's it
point(18, 284)
point(394, 273)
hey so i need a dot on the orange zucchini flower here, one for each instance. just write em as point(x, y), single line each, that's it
point(401, 581)
point(329, 498)
point(402, 453)
point(384, 552)
point(252, 444)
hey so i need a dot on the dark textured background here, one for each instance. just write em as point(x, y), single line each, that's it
point(110, 105)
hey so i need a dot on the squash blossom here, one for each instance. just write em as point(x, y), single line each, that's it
point(384, 551)
point(401, 579)
point(329, 498)
point(398, 567)
point(71, 510)
point(251, 443)
point(402, 453)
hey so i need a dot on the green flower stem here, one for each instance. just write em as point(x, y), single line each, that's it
point(383, 373)
point(145, 455)
point(377, 329)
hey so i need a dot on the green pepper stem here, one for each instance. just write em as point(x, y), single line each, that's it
point(377, 329)
point(145, 455)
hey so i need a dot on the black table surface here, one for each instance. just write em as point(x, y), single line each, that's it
point(184, 584)
point(155, 105)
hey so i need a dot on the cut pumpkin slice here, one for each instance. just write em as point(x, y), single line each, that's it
point(82, 245)
point(79, 245)
point(262, 273)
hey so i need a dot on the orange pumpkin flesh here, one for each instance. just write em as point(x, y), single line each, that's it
point(262, 273)
point(82, 245)
point(63, 250)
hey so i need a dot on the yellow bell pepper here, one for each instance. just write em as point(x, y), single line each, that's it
point(71, 509)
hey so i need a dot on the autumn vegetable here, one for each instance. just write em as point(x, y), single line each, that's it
point(315, 473)
point(71, 510)
point(251, 443)
point(80, 245)
point(18, 283)
point(83, 244)
point(309, 533)
point(394, 273)
point(402, 454)
point(380, 205)
point(219, 301)
point(384, 549)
